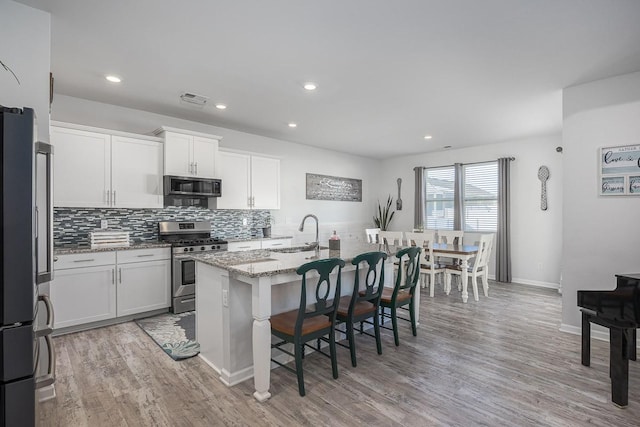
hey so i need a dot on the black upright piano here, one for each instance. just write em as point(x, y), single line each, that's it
point(618, 310)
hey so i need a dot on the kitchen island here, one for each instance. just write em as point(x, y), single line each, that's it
point(237, 292)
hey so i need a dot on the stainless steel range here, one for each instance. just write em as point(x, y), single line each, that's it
point(187, 237)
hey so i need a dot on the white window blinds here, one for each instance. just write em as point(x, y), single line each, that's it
point(439, 189)
point(481, 196)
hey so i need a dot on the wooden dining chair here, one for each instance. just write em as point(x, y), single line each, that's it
point(428, 264)
point(372, 234)
point(363, 303)
point(479, 267)
point(403, 292)
point(450, 237)
point(311, 321)
point(393, 238)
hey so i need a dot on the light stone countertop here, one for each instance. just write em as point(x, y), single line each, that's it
point(267, 262)
point(82, 248)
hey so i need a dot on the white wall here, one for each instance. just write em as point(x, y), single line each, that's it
point(25, 39)
point(348, 218)
point(601, 234)
point(535, 234)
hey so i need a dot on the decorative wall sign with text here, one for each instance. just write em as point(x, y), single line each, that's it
point(325, 187)
point(620, 170)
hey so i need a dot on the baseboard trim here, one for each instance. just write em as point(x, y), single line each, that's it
point(536, 283)
point(211, 364)
point(237, 377)
point(600, 334)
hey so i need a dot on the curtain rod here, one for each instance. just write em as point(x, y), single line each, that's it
point(472, 163)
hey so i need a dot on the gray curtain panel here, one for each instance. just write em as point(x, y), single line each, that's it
point(457, 196)
point(418, 209)
point(503, 236)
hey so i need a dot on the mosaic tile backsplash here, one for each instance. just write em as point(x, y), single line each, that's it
point(72, 226)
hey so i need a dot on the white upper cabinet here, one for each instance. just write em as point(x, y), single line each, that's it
point(82, 168)
point(249, 181)
point(98, 169)
point(235, 172)
point(136, 175)
point(189, 153)
point(265, 182)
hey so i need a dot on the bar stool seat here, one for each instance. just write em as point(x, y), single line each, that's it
point(286, 323)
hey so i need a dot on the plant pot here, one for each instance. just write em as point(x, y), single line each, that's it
point(266, 231)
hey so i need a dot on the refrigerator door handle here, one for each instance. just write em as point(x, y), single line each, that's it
point(47, 275)
point(48, 328)
point(50, 377)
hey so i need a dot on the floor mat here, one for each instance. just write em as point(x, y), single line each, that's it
point(174, 333)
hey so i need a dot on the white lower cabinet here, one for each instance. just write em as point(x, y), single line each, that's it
point(84, 295)
point(84, 288)
point(247, 245)
point(97, 286)
point(143, 286)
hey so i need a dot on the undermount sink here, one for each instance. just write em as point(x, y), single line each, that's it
point(297, 249)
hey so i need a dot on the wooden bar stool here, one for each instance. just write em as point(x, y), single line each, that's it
point(311, 321)
point(362, 305)
point(402, 294)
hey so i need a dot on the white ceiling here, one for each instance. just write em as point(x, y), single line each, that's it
point(467, 72)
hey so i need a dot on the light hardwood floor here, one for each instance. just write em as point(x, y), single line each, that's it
point(497, 362)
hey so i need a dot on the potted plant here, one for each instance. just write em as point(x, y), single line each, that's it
point(6, 67)
point(384, 215)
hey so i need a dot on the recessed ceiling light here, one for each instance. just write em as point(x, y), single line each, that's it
point(113, 79)
point(310, 86)
point(221, 106)
point(293, 125)
point(428, 137)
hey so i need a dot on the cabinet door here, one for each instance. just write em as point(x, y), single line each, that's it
point(246, 245)
point(136, 177)
point(276, 243)
point(83, 295)
point(265, 182)
point(177, 154)
point(143, 286)
point(82, 168)
point(205, 151)
point(235, 172)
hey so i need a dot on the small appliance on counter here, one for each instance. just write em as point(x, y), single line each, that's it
point(187, 237)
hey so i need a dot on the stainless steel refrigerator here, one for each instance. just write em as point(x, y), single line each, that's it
point(26, 245)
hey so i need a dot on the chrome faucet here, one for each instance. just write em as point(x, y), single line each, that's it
point(316, 244)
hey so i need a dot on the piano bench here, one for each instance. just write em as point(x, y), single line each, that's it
point(622, 348)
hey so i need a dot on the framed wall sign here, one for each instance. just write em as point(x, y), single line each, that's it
point(620, 170)
point(325, 187)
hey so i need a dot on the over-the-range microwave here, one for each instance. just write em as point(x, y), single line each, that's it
point(192, 186)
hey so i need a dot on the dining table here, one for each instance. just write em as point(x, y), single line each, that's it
point(460, 252)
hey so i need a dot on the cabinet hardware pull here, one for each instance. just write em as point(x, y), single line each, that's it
point(244, 247)
point(145, 255)
point(107, 196)
point(196, 168)
point(114, 197)
point(277, 244)
point(113, 276)
point(55, 259)
point(50, 377)
point(184, 301)
point(120, 275)
point(84, 260)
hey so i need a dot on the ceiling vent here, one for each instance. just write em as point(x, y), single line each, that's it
point(192, 98)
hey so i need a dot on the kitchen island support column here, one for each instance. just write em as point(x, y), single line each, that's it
point(261, 311)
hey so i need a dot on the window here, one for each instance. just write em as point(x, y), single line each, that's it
point(480, 200)
point(439, 198)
